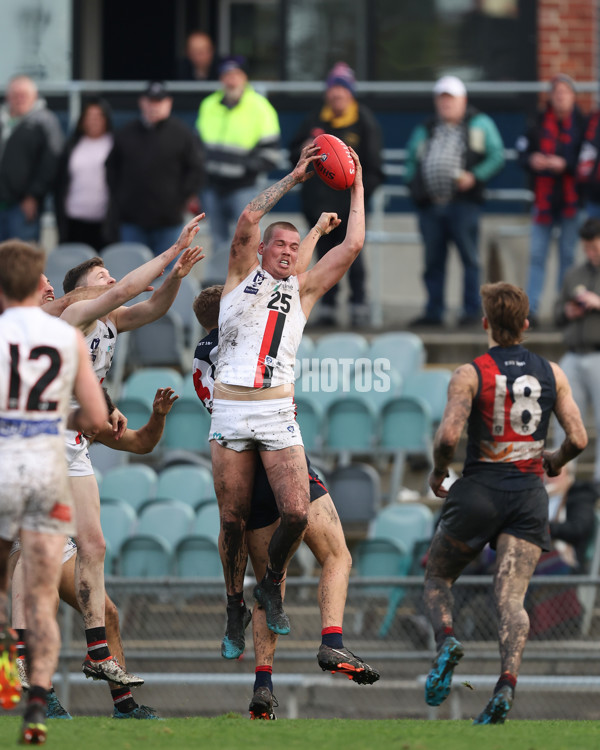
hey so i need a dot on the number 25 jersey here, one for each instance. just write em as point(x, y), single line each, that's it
point(509, 418)
point(260, 328)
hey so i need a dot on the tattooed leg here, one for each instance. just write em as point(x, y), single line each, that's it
point(516, 561)
point(447, 559)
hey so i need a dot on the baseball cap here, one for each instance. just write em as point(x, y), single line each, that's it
point(563, 78)
point(449, 85)
point(232, 62)
point(156, 90)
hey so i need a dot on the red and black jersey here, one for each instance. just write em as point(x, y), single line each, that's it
point(203, 369)
point(509, 419)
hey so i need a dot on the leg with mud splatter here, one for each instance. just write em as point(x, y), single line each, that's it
point(447, 559)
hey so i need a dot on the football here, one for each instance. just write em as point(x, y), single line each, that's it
point(335, 166)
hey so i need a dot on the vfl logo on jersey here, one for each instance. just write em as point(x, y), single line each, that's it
point(269, 360)
point(290, 428)
point(258, 279)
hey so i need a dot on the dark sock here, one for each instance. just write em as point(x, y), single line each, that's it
point(274, 577)
point(441, 636)
point(97, 647)
point(506, 678)
point(332, 637)
point(38, 698)
point(123, 700)
point(263, 677)
point(236, 599)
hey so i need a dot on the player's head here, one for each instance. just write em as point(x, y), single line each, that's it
point(47, 293)
point(206, 306)
point(21, 269)
point(505, 308)
point(91, 272)
point(279, 249)
point(590, 237)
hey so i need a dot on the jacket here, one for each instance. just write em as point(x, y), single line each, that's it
point(555, 194)
point(152, 171)
point(582, 334)
point(358, 128)
point(29, 154)
point(588, 163)
point(239, 142)
point(484, 156)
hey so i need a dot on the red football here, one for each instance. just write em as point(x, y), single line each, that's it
point(335, 166)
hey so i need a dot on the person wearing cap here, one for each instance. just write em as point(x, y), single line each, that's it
point(240, 134)
point(153, 170)
point(549, 152)
point(450, 159)
point(343, 116)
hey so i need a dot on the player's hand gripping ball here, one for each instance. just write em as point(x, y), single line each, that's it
point(335, 166)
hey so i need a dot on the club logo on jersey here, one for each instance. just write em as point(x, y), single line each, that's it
point(290, 428)
point(94, 344)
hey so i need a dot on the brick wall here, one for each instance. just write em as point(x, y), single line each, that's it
point(568, 41)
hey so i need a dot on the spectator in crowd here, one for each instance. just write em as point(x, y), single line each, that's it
point(341, 115)
point(549, 152)
point(450, 159)
point(578, 311)
point(154, 171)
point(81, 195)
point(199, 63)
point(573, 521)
point(240, 133)
point(588, 167)
point(30, 142)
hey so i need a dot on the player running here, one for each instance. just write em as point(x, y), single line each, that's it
point(505, 397)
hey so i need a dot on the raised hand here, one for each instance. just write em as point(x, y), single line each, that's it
point(308, 154)
point(187, 260)
point(163, 401)
point(328, 222)
point(188, 233)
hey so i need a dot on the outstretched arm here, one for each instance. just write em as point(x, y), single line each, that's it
point(85, 312)
point(327, 223)
point(145, 439)
point(244, 246)
point(461, 392)
point(332, 266)
point(567, 413)
point(58, 306)
point(130, 318)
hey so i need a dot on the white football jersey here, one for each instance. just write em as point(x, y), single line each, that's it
point(260, 328)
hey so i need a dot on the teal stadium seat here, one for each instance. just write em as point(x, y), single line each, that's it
point(160, 343)
point(122, 257)
point(356, 492)
point(145, 556)
point(135, 484)
point(381, 558)
point(207, 521)
point(341, 346)
point(198, 557)
point(192, 485)
point(403, 349)
point(137, 410)
point(407, 523)
point(350, 425)
point(62, 259)
point(170, 519)
point(188, 426)
point(432, 386)
point(118, 521)
point(143, 383)
point(309, 416)
point(405, 427)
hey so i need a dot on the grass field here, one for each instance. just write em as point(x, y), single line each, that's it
point(234, 732)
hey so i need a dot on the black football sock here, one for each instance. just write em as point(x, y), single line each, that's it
point(97, 647)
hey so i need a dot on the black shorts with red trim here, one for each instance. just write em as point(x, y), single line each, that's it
point(475, 513)
point(263, 508)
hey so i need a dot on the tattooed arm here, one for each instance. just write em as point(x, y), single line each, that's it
point(567, 413)
point(461, 392)
point(246, 240)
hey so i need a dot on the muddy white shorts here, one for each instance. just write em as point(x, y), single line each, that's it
point(78, 455)
point(34, 491)
point(268, 425)
point(69, 549)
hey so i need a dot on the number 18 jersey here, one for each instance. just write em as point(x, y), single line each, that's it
point(509, 419)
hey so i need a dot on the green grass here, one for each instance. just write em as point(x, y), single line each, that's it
point(234, 732)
